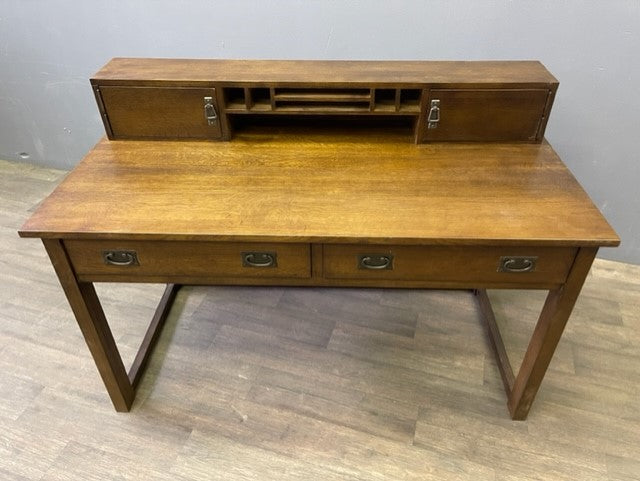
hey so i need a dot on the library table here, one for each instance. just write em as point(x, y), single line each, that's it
point(320, 208)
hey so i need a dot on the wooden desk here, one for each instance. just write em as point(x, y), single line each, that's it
point(314, 208)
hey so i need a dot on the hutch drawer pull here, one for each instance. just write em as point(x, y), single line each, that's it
point(434, 114)
point(120, 258)
point(517, 264)
point(375, 261)
point(259, 259)
point(210, 111)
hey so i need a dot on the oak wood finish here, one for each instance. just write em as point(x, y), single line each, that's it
point(97, 333)
point(404, 382)
point(480, 114)
point(95, 329)
point(508, 283)
point(158, 112)
point(322, 197)
point(152, 335)
point(188, 259)
point(301, 186)
point(495, 338)
point(323, 95)
point(316, 72)
point(94, 326)
point(553, 318)
point(481, 101)
point(440, 263)
point(244, 194)
point(522, 389)
point(204, 262)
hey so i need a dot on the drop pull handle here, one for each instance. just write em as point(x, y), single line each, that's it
point(210, 111)
point(120, 258)
point(517, 264)
point(375, 261)
point(434, 114)
point(259, 259)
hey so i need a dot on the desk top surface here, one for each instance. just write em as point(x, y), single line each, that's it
point(323, 188)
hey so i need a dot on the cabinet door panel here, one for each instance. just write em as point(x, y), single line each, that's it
point(159, 112)
point(487, 115)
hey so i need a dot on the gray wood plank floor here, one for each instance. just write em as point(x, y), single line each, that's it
point(306, 384)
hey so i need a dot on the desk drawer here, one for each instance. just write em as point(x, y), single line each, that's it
point(500, 265)
point(181, 258)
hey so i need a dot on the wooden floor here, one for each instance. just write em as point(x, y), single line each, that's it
point(308, 384)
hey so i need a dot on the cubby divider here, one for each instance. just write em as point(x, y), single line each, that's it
point(355, 100)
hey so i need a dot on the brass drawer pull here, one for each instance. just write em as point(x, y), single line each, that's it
point(517, 264)
point(120, 258)
point(259, 259)
point(375, 261)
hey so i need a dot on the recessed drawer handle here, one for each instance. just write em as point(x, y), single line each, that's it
point(375, 261)
point(259, 259)
point(120, 258)
point(517, 264)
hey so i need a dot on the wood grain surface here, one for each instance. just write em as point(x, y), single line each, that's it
point(292, 384)
point(311, 72)
point(439, 263)
point(480, 114)
point(155, 112)
point(190, 258)
point(298, 186)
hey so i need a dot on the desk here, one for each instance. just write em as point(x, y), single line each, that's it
point(300, 208)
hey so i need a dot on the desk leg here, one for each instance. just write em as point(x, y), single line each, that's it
point(522, 390)
point(95, 329)
point(90, 317)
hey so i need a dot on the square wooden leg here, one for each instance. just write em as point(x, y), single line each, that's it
point(94, 326)
point(522, 389)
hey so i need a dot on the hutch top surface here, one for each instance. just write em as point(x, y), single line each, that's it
point(120, 70)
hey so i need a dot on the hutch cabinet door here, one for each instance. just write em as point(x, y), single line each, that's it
point(484, 115)
point(160, 112)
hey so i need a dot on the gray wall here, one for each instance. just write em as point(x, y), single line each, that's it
point(48, 50)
